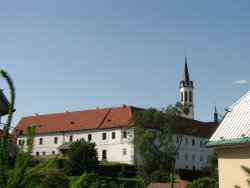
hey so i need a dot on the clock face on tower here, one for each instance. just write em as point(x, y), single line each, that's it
point(186, 110)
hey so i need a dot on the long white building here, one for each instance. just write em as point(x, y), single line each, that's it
point(110, 129)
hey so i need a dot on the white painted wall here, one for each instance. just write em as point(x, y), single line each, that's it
point(119, 149)
point(197, 154)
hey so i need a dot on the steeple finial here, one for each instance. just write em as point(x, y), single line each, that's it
point(215, 116)
point(186, 75)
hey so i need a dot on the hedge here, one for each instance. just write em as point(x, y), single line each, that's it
point(117, 170)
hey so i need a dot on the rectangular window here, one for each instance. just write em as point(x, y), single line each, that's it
point(113, 135)
point(193, 157)
point(201, 143)
point(71, 138)
point(37, 153)
point(40, 141)
point(186, 141)
point(53, 152)
point(186, 97)
point(124, 134)
point(186, 156)
point(55, 140)
point(19, 142)
point(104, 154)
point(89, 137)
point(182, 96)
point(104, 136)
point(193, 142)
point(190, 96)
point(124, 151)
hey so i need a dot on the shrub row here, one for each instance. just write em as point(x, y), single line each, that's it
point(117, 170)
point(191, 175)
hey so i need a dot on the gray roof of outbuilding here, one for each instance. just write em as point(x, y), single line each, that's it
point(235, 127)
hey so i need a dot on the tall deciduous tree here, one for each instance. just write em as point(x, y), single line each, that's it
point(153, 138)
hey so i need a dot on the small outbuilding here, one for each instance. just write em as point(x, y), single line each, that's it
point(232, 142)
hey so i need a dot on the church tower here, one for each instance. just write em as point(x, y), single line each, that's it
point(186, 94)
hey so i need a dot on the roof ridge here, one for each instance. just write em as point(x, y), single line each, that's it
point(59, 113)
point(238, 101)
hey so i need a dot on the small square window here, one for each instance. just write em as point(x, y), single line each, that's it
point(124, 151)
point(113, 135)
point(193, 142)
point(201, 158)
point(104, 136)
point(43, 152)
point(40, 141)
point(37, 153)
point(71, 138)
point(201, 143)
point(55, 140)
point(89, 137)
point(193, 167)
point(53, 152)
point(124, 134)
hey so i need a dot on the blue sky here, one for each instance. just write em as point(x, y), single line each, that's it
point(76, 55)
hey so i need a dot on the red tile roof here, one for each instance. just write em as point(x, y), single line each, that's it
point(100, 118)
point(79, 120)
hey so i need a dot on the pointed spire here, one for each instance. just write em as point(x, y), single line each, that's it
point(186, 75)
point(215, 116)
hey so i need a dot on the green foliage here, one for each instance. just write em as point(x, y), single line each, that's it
point(212, 166)
point(154, 131)
point(204, 183)
point(21, 175)
point(52, 178)
point(116, 170)
point(91, 180)
point(82, 158)
point(4, 141)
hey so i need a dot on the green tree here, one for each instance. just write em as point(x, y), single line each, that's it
point(87, 180)
point(153, 138)
point(21, 176)
point(205, 182)
point(212, 166)
point(82, 157)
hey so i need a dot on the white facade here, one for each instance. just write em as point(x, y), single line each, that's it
point(192, 154)
point(114, 148)
point(110, 143)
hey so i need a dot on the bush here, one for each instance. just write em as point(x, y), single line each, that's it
point(91, 180)
point(53, 178)
point(82, 157)
point(204, 183)
point(117, 170)
point(191, 175)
